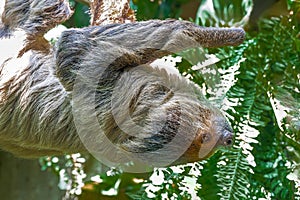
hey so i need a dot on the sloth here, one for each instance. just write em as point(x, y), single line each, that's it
point(95, 90)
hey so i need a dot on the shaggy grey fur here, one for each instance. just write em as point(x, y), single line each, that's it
point(140, 109)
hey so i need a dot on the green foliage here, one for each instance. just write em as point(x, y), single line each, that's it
point(223, 13)
point(81, 17)
point(157, 9)
point(69, 170)
point(270, 71)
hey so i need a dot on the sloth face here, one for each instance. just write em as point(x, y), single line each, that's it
point(207, 141)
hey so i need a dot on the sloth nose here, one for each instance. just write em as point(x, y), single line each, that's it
point(225, 132)
point(227, 138)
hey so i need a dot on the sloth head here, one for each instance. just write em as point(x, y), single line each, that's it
point(163, 119)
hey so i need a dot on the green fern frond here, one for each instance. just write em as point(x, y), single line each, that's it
point(271, 70)
point(233, 175)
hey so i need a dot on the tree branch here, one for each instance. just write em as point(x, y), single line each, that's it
point(110, 12)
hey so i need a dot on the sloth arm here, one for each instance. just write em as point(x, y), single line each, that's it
point(133, 44)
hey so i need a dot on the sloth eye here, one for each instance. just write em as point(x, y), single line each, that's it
point(205, 137)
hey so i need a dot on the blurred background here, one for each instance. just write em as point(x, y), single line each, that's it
point(256, 84)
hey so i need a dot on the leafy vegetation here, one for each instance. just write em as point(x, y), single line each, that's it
point(257, 84)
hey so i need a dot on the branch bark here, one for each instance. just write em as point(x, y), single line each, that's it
point(110, 12)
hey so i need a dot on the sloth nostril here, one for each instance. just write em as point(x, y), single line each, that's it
point(228, 141)
point(227, 138)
